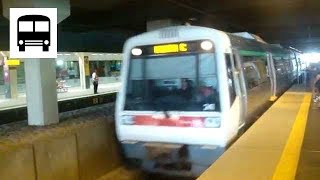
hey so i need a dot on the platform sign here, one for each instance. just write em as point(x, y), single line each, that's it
point(12, 62)
point(33, 32)
point(86, 66)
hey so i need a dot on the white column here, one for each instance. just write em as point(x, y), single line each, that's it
point(82, 73)
point(13, 82)
point(40, 74)
point(41, 91)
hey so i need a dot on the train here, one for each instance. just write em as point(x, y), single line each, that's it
point(187, 92)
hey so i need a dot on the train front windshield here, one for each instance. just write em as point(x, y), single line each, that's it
point(186, 82)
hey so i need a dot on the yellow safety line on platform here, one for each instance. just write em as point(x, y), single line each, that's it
point(287, 166)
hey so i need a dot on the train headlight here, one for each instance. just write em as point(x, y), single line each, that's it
point(136, 51)
point(206, 45)
point(212, 122)
point(20, 42)
point(46, 42)
point(127, 120)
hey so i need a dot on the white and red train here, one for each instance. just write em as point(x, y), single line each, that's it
point(187, 91)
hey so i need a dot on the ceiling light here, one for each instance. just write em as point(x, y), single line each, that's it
point(59, 62)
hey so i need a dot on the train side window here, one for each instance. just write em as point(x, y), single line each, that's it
point(251, 75)
point(280, 66)
point(232, 92)
point(261, 64)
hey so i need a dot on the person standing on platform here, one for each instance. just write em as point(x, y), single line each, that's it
point(316, 88)
point(95, 80)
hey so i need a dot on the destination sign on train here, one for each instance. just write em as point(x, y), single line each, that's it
point(170, 48)
point(173, 48)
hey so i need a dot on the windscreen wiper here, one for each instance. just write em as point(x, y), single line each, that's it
point(165, 112)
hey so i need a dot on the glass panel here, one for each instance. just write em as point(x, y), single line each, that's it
point(108, 71)
point(259, 65)
point(2, 88)
point(21, 78)
point(68, 72)
point(280, 66)
point(137, 73)
point(207, 71)
point(262, 68)
point(115, 67)
point(170, 83)
point(171, 68)
point(25, 26)
point(251, 76)
point(232, 92)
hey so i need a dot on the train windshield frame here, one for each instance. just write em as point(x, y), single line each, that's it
point(173, 82)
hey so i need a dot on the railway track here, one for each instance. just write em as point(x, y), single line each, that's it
point(16, 114)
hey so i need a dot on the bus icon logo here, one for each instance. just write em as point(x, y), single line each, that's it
point(33, 32)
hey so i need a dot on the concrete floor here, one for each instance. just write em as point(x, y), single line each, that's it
point(309, 162)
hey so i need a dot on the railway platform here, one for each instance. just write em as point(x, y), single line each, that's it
point(13, 110)
point(72, 93)
point(282, 144)
point(309, 161)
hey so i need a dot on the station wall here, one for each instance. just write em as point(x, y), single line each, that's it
point(92, 41)
point(68, 70)
point(84, 150)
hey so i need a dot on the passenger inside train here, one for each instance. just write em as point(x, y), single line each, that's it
point(208, 98)
point(186, 89)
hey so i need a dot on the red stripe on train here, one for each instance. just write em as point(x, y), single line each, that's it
point(175, 122)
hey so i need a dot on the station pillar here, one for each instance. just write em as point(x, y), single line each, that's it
point(12, 83)
point(41, 91)
point(84, 71)
point(40, 74)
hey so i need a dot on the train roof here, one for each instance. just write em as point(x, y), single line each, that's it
point(256, 46)
point(246, 45)
point(175, 34)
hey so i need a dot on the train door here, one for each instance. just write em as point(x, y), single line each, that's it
point(241, 84)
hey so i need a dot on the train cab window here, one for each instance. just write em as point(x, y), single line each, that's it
point(173, 83)
point(251, 75)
